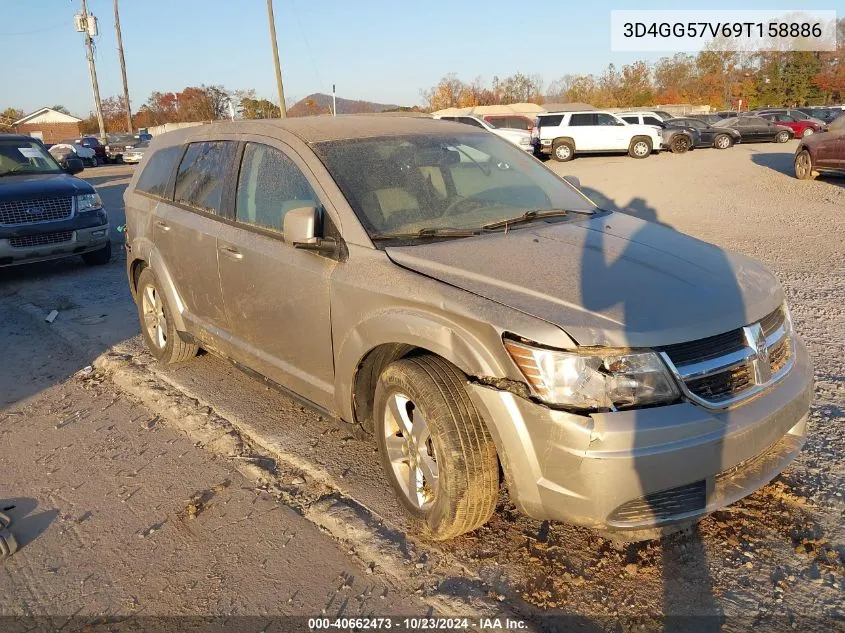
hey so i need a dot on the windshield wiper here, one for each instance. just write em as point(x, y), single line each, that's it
point(427, 232)
point(528, 216)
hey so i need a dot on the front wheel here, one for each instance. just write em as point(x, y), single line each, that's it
point(640, 147)
point(157, 326)
point(803, 165)
point(808, 132)
point(782, 137)
point(434, 447)
point(680, 144)
point(723, 141)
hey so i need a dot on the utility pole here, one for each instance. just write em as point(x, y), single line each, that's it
point(282, 108)
point(90, 51)
point(123, 69)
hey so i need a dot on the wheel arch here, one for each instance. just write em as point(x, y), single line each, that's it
point(154, 261)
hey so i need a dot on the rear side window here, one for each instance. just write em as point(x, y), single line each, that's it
point(583, 119)
point(202, 174)
point(468, 121)
point(650, 120)
point(156, 175)
point(630, 119)
point(552, 120)
point(269, 186)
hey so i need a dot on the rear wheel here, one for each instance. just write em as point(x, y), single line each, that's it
point(803, 165)
point(722, 141)
point(434, 447)
point(563, 151)
point(100, 257)
point(640, 147)
point(782, 137)
point(157, 325)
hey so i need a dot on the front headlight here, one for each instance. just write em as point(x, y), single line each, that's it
point(88, 202)
point(525, 141)
point(594, 378)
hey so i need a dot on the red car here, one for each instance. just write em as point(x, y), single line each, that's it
point(801, 127)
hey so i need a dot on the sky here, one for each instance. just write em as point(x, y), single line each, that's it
point(375, 50)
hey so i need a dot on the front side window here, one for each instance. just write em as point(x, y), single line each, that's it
point(469, 121)
point(650, 120)
point(407, 184)
point(156, 175)
point(202, 174)
point(25, 157)
point(606, 119)
point(269, 186)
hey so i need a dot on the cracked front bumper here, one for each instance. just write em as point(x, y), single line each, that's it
point(645, 468)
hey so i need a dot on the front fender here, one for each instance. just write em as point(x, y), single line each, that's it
point(463, 348)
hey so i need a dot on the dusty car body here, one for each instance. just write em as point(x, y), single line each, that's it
point(822, 153)
point(435, 286)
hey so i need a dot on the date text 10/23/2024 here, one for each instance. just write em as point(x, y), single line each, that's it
point(416, 624)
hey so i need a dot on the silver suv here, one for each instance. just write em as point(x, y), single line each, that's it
point(475, 314)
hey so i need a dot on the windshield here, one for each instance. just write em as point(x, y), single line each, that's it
point(25, 157)
point(408, 184)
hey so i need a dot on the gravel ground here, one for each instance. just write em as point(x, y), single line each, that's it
point(775, 560)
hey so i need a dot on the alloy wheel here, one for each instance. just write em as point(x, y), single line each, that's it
point(411, 450)
point(154, 319)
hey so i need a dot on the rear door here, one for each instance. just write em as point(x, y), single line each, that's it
point(185, 227)
point(277, 296)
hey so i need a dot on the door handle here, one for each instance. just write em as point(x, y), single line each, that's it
point(231, 251)
point(162, 225)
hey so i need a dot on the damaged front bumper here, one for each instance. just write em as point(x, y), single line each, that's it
point(643, 469)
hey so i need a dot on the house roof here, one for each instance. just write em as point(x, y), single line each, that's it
point(48, 115)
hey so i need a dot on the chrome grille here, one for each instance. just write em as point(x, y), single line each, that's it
point(35, 210)
point(42, 239)
point(659, 507)
point(722, 370)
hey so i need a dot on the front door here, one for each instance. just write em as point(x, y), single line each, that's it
point(277, 296)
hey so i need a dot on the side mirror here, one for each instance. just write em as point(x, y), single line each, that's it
point(573, 180)
point(74, 165)
point(301, 229)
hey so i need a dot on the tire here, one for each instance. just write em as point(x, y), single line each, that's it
point(425, 397)
point(100, 257)
point(722, 141)
point(157, 326)
point(680, 144)
point(563, 151)
point(640, 147)
point(781, 137)
point(803, 165)
point(808, 131)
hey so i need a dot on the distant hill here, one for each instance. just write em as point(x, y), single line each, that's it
point(319, 103)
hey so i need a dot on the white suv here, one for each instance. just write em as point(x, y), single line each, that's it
point(564, 134)
point(520, 138)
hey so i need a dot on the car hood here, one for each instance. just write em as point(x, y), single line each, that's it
point(608, 280)
point(28, 186)
point(511, 133)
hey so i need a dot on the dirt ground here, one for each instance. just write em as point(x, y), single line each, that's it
point(774, 561)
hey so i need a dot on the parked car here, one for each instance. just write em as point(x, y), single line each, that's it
point(520, 138)
point(426, 283)
point(710, 119)
point(801, 128)
point(728, 114)
point(826, 115)
point(136, 153)
point(512, 121)
point(565, 134)
point(94, 144)
point(45, 212)
point(822, 153)
point(795, 113)
point(676, 138)
point(87, 155)
point(709, 135)
point(755, 129)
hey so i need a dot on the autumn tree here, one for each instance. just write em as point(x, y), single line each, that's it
point(445, 94)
